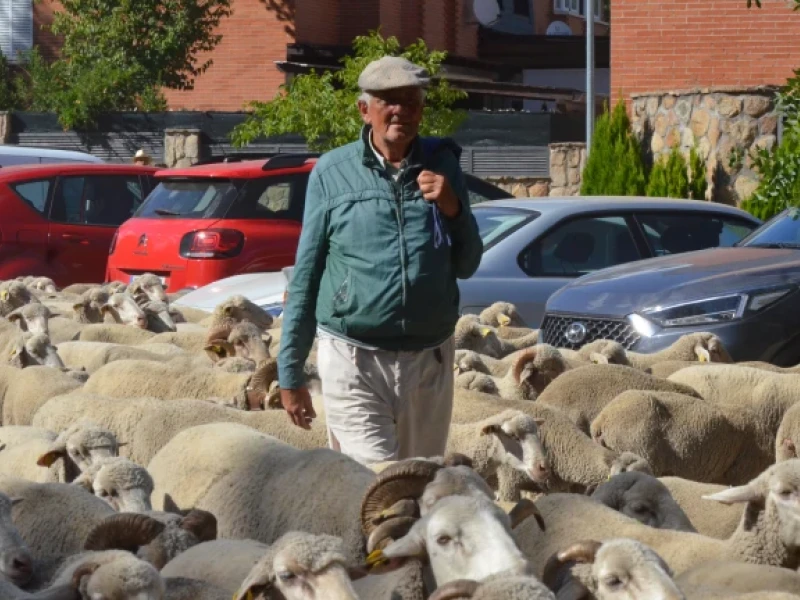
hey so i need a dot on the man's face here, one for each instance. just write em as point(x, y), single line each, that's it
point(395, 115)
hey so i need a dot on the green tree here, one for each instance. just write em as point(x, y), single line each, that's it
point(697, 175)
point(615, 165)
point(322, 106)
point(669, 178)
point(119, 54)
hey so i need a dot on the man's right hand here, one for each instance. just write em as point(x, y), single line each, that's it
point(298, 404)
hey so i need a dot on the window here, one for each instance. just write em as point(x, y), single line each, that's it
point(96, 200)
point(202, 199)
point(16, 28)
point(581, 246)
point(273, 198)
point(578, 8)
point(673, 234)
point(572, 7)
point(34, 193)
point(496, 223)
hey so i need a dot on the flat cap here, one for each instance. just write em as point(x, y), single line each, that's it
point(392, 72)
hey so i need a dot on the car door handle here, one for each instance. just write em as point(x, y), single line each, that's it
point(75, 239)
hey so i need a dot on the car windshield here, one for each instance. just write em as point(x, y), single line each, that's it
point(496, 223)
point(198, 199)
point(783, 231)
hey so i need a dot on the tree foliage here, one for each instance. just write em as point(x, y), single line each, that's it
point(669, 177)
point(615, 165)
point(120, 54)
point(322, 106)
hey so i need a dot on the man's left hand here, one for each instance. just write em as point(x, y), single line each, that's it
point(436, 188)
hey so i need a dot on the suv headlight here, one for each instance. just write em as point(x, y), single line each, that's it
point(711, 311)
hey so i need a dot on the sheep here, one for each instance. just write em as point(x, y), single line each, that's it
point(581, 394)
point(766, 533)
point(704, 347)
point(14, 295)
point(502, 314)
point(237, 309)
point(22, 392)
point(147, 424)
point(247, 342)
point(80, 446)
point(253, 467)
point(34, 349)
point(123, 310)
point(575, 461)
point(770, 395)
point(189, 314)
point(112, 574)
point(618, 568)
point(134, 378)
point(44, 285)
point(709, 518)
point(114, 287)
point(509, 439)
point(627, 462)
point(77, 288)
point(22, 447)
point(531, 372)
point(16, 562)
point(123, 484)
point(603, 352)
point(89, 309)
point(296, 560)
point(62, 329)
point(147, 287)
point(54, 519)
point(502, 586)
point(470, 334)
point(462, 536)
point(113, 333)
point(32, 318)
point(788, 435)
point(686, 437)
point(91, 356)
point(189, 341)
point(157, 537)
point(644, 498)
point(739, 578)
point(159, 319)
point(469, 360)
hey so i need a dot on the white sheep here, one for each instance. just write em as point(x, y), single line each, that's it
point(703, 347)
point(14, 295)
point(470, 334)
point(32, 318)
point(16, 562)
point(147, 287)
point(120, 482)
point(113, 333)
point(23, 391)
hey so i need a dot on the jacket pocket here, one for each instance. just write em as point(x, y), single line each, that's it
point(343, 292)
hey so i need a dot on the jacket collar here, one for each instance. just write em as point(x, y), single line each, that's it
point(414, 160)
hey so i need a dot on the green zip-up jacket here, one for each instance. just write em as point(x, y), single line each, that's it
point(376, 262)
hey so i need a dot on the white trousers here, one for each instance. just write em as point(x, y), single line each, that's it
point(382, 405)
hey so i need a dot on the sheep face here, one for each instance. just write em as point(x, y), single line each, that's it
point(159, 319)
point(502, 314)
point(247, 342)
point(517, 443)
point(121, 579)
point(148, 287)
point(237, 309)
point(453, 481)
point(124, 310)
point(471, 335)
point(536, 368)
point(300, 566)
point(472, 380)
point(463, 537)
point(467, 360)
point(123, 484)
point(14, 295)
point(35, 350)
point(16, 563)
point(627, 462)
point(44, 285)
point(32, 318)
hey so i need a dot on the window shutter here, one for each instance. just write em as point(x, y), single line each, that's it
point(21, 27)
point(16, 27)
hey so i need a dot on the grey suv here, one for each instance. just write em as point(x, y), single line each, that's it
point(746, 294)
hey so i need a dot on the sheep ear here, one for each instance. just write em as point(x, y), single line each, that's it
point(581, 552)
point(735, 495)
point(49, 458)
point(15, 501)
point(703, 355)
point(539, 421)
point(490, 428)
point(85, 570)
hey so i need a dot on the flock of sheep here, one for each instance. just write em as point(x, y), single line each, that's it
point(144, 456)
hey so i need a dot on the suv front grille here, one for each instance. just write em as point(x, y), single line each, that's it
point(554, 329)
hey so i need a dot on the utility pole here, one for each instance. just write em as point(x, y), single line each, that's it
point(589, 9)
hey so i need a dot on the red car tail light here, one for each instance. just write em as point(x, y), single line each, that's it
point(212, 243)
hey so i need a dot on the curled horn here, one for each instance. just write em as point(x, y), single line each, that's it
point(258, 386)
point(85, 570)
point(580, 552)
point(220, 332)
point(556, 574)
point(459, 589)
point(519, 364)
point(387, 531)
point(201, 523)
point(124, 531)
point(524, 509)
point(404, 479)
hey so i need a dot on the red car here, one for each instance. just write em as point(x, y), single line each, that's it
point(58, 220)
point(204, 223)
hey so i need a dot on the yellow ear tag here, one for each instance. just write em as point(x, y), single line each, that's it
point(4, 295)
point(376, 558)
point(485, 331)
point(503, 320)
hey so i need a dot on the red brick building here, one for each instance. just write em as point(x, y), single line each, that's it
point(263, 39)
point(684, 44)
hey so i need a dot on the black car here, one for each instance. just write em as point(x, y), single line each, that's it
point(746, 294)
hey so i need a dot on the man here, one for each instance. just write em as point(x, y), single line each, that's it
point(141, 158)
point(387, 230)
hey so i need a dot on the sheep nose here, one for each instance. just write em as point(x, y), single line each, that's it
point(141, 322)
point(539, 472)
point(18, 567)
point(598, 438)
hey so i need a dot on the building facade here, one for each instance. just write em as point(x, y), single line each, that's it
point(263, 38)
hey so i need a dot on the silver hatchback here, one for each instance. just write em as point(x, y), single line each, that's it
point(533, 247)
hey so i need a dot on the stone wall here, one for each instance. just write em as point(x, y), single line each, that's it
point(725, 125)
point(566, 165)
point(522, 187)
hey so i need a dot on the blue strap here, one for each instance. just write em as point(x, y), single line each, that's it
point(438, 228)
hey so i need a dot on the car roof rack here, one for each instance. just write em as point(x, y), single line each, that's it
point(288, 161)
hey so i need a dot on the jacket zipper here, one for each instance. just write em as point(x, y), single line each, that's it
point(400, 228)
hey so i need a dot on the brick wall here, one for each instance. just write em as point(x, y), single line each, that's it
point(675, 44)
point(317, 20)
